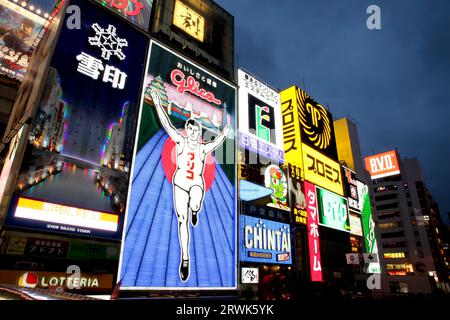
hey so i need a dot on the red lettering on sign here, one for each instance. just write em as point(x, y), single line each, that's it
point(191, 85)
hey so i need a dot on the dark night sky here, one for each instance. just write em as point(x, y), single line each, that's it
point(394, 82)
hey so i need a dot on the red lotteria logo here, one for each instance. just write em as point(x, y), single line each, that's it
point(123, 6)
point(191, 85)
point(28, 280)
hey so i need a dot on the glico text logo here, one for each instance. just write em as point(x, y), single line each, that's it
point(314, 119)
point(191, 85)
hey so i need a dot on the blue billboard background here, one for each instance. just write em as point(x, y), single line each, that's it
point(151, 253)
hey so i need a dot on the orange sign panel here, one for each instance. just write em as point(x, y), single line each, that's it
point(382, 165)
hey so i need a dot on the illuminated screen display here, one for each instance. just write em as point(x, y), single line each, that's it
point(136, 11)
point(182, 214)
point(382, 165)
point(322, 171)
point(264, 241)
point(55, 213)
point(333, 210)
point(19, 29)
point(368, 226)
point(82, 137)
point(263, 184)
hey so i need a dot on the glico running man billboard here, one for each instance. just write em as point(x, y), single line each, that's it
point(75, 172)
point(181, 223)
point(19, 29)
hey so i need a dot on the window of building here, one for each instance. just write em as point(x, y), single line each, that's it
point(382, 216)
point(394, 244)
point(390, 225)
point(392, 234)
point(386, 197)
point(393, 205)
point(395, 255)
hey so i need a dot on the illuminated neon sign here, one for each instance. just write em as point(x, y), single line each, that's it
point(315, 264)
point(192, 86)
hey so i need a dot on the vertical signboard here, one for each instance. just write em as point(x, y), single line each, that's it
point(309, 141)
point(136, 11)
point(315, 264)
point(74, 178)
point(333, 210)
point(19, 29)
point(297, 195)
point(260, 127)
point(291, 128)
point(10, 167)
point(351, 189)
point(264, 241)
point(181, 224)
point(368, 226)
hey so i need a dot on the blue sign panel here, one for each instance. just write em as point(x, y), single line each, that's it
point(264, 241)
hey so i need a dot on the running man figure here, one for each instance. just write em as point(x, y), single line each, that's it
point(188, 181)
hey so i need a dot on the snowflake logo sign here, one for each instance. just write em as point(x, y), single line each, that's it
point(108, 41)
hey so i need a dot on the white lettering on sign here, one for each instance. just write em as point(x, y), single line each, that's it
point(262, 238)
point(381, 164)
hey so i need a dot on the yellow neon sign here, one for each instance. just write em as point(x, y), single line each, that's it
point(189, 21)
point(321, 170)
point(291, 128)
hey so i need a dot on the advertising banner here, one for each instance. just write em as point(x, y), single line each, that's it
point(382, 165)
point(322, 171)
point(355, 224)
point(315, 264)
point(351, 189)
point(19, 29)
point(263, 184)
point(75, 173)
point(249, 275)
point(368, 227)
point(333, 210)
point(260, 123)
point(264, 241)
point(316, 125)
point(297, 195)
point(181, 224)
point(136, 11)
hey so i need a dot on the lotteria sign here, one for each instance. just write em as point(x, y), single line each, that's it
point(265, 241)
point(45, 280)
